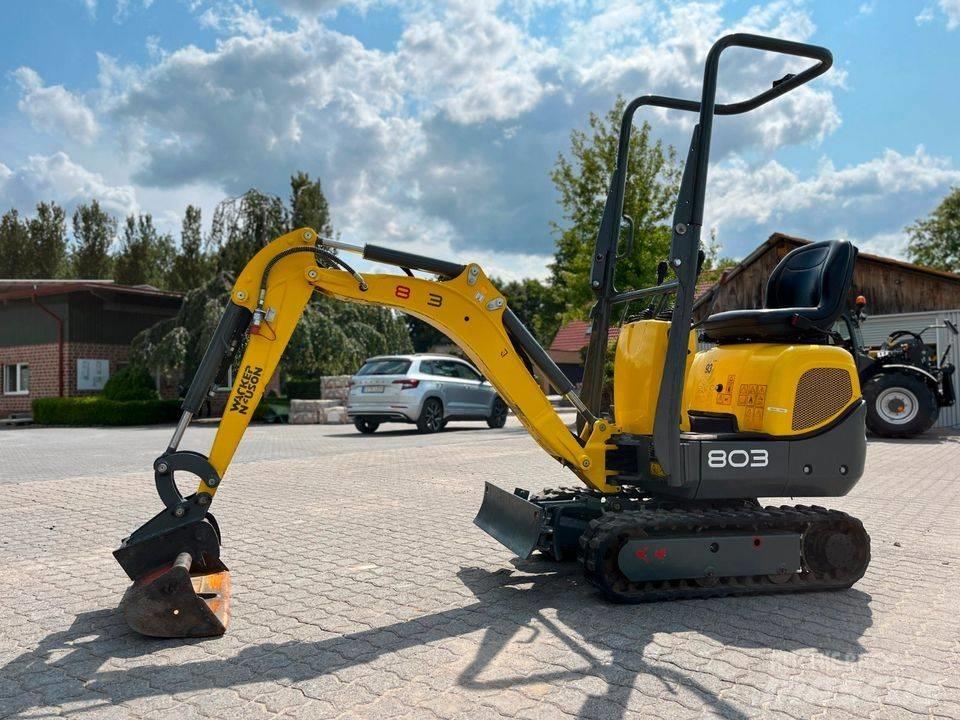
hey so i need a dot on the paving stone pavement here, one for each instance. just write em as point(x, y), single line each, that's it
point(362, 589)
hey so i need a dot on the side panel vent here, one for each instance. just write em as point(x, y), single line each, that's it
point(821, 394)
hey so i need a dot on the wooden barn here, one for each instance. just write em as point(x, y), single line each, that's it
point(890, 286)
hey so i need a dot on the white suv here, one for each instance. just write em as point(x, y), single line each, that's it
point(428, 390)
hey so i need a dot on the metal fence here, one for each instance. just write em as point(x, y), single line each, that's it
point(876, 329)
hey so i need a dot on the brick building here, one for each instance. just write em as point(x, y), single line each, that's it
point(66, 337)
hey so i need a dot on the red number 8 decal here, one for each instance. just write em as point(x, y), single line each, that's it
point(402, 291)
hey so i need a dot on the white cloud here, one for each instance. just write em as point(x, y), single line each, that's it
point(366, 216)
point(256, 108)
point(656, 52)
point(949, 8)
point(868, 203)
point(456, 128)
point(56, 177)
point(472, 64)
point(54, 109)
point(443, 143)
point(309, 8)
point(886, 244)
point(235, 19)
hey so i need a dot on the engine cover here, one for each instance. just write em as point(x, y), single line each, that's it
point(774, 389)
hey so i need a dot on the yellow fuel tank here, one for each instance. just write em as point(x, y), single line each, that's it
point(779, 390)
point(637, 370)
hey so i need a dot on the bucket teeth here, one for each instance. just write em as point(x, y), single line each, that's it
point(173, 602)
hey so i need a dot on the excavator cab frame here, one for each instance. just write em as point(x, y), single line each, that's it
point(180, 584)
point(685, 251)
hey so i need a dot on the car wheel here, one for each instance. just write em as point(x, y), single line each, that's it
point(498, 414)
point(431, 417)
point(367, 427)
point(899, 405)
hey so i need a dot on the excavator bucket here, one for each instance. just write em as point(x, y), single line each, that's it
point(180, 586)
point(511, 519)
point(173, 602)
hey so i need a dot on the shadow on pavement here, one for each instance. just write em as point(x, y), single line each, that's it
point(613, 643)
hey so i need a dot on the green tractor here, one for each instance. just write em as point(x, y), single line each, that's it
point(903, 383)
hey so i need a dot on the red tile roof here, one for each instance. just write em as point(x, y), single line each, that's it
point(575, 335)
point(703, 288)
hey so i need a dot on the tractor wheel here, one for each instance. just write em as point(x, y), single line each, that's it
point(899, 405)
point(431, 416)
point(498, 414)
point(366, 426)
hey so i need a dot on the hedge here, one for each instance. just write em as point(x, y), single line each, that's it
point(85, 411)
point(305, 389)
point(130, 383)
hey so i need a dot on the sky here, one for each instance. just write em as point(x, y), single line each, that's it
point(433, 126)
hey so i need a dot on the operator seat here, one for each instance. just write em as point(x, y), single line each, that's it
point(806, 293)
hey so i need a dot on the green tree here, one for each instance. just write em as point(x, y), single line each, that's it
point(582, 178)
point(243, 225)
point(335, 338)
point(47, 232)
point(171, 349)
point(536, 303)
point(308, 205)
point(145, 256)
point(423, 335)
point(192, 265)
point(93, 232)
point(332, 337)
point(16, 260)
point(935, 240)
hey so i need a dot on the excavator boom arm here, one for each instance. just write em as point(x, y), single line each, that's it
point(467, 308)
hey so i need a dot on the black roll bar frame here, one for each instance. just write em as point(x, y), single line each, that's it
point(685, 241)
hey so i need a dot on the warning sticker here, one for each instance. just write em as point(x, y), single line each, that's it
point(725, 392)
point(752, 395)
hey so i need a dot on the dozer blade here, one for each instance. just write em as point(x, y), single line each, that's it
point(510, 519)
point(173, 602)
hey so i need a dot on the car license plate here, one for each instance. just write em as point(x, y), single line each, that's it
point(373, 388)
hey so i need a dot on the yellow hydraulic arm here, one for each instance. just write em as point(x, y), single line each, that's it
point(467, 308)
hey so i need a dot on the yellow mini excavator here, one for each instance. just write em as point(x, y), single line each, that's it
point(668, 507)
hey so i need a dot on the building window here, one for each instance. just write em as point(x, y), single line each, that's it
point(16, 379)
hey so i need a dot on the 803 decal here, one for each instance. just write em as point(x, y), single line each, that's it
point(755, 458)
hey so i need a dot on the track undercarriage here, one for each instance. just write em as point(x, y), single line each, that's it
point(640, 549)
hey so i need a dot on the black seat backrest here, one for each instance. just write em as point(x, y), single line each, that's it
point(815, 278)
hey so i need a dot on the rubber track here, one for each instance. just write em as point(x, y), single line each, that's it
point(601, 542)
